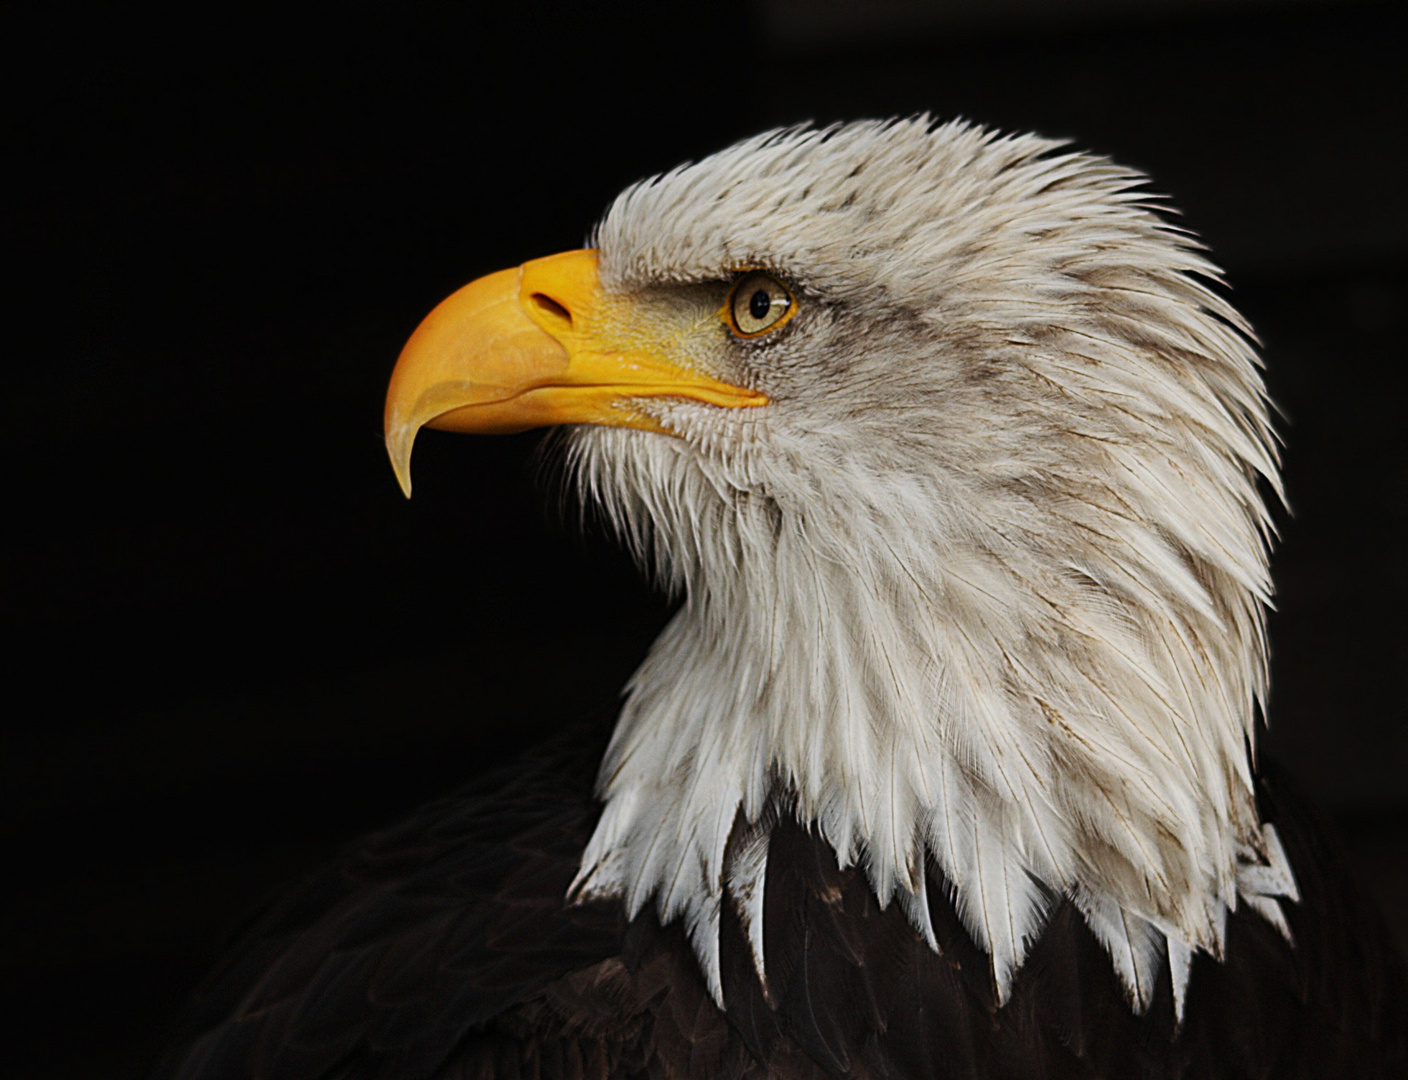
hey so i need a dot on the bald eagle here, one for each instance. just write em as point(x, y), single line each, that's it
point(958, 461)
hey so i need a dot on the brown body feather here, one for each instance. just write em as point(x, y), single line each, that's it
point(444, 948)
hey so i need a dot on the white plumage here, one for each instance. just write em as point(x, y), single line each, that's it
point(986, 582)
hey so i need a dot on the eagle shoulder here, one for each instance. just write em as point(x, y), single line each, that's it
point(442, 943)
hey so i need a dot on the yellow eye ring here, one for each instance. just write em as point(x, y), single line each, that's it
point(758, 304)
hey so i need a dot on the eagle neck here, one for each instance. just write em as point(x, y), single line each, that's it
point(923, 688)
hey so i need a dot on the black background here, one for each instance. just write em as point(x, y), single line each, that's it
point(232, 645)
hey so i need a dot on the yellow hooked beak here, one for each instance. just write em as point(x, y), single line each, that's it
point(537, 345)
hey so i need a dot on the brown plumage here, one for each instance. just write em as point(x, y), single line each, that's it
point(443, 948)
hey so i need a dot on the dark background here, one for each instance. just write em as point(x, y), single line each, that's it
point(232, 645)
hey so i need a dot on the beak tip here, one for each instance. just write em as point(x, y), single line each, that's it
point(400, 439)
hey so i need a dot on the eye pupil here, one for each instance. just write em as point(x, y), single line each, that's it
point(759, 305)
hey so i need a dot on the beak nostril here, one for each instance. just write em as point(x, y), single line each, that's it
point(550, 307)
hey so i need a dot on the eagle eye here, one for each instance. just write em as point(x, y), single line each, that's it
point(758, 303)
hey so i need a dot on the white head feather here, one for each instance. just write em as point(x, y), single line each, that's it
point(985, 582)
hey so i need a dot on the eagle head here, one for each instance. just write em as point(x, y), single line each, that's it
point(953, 451)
